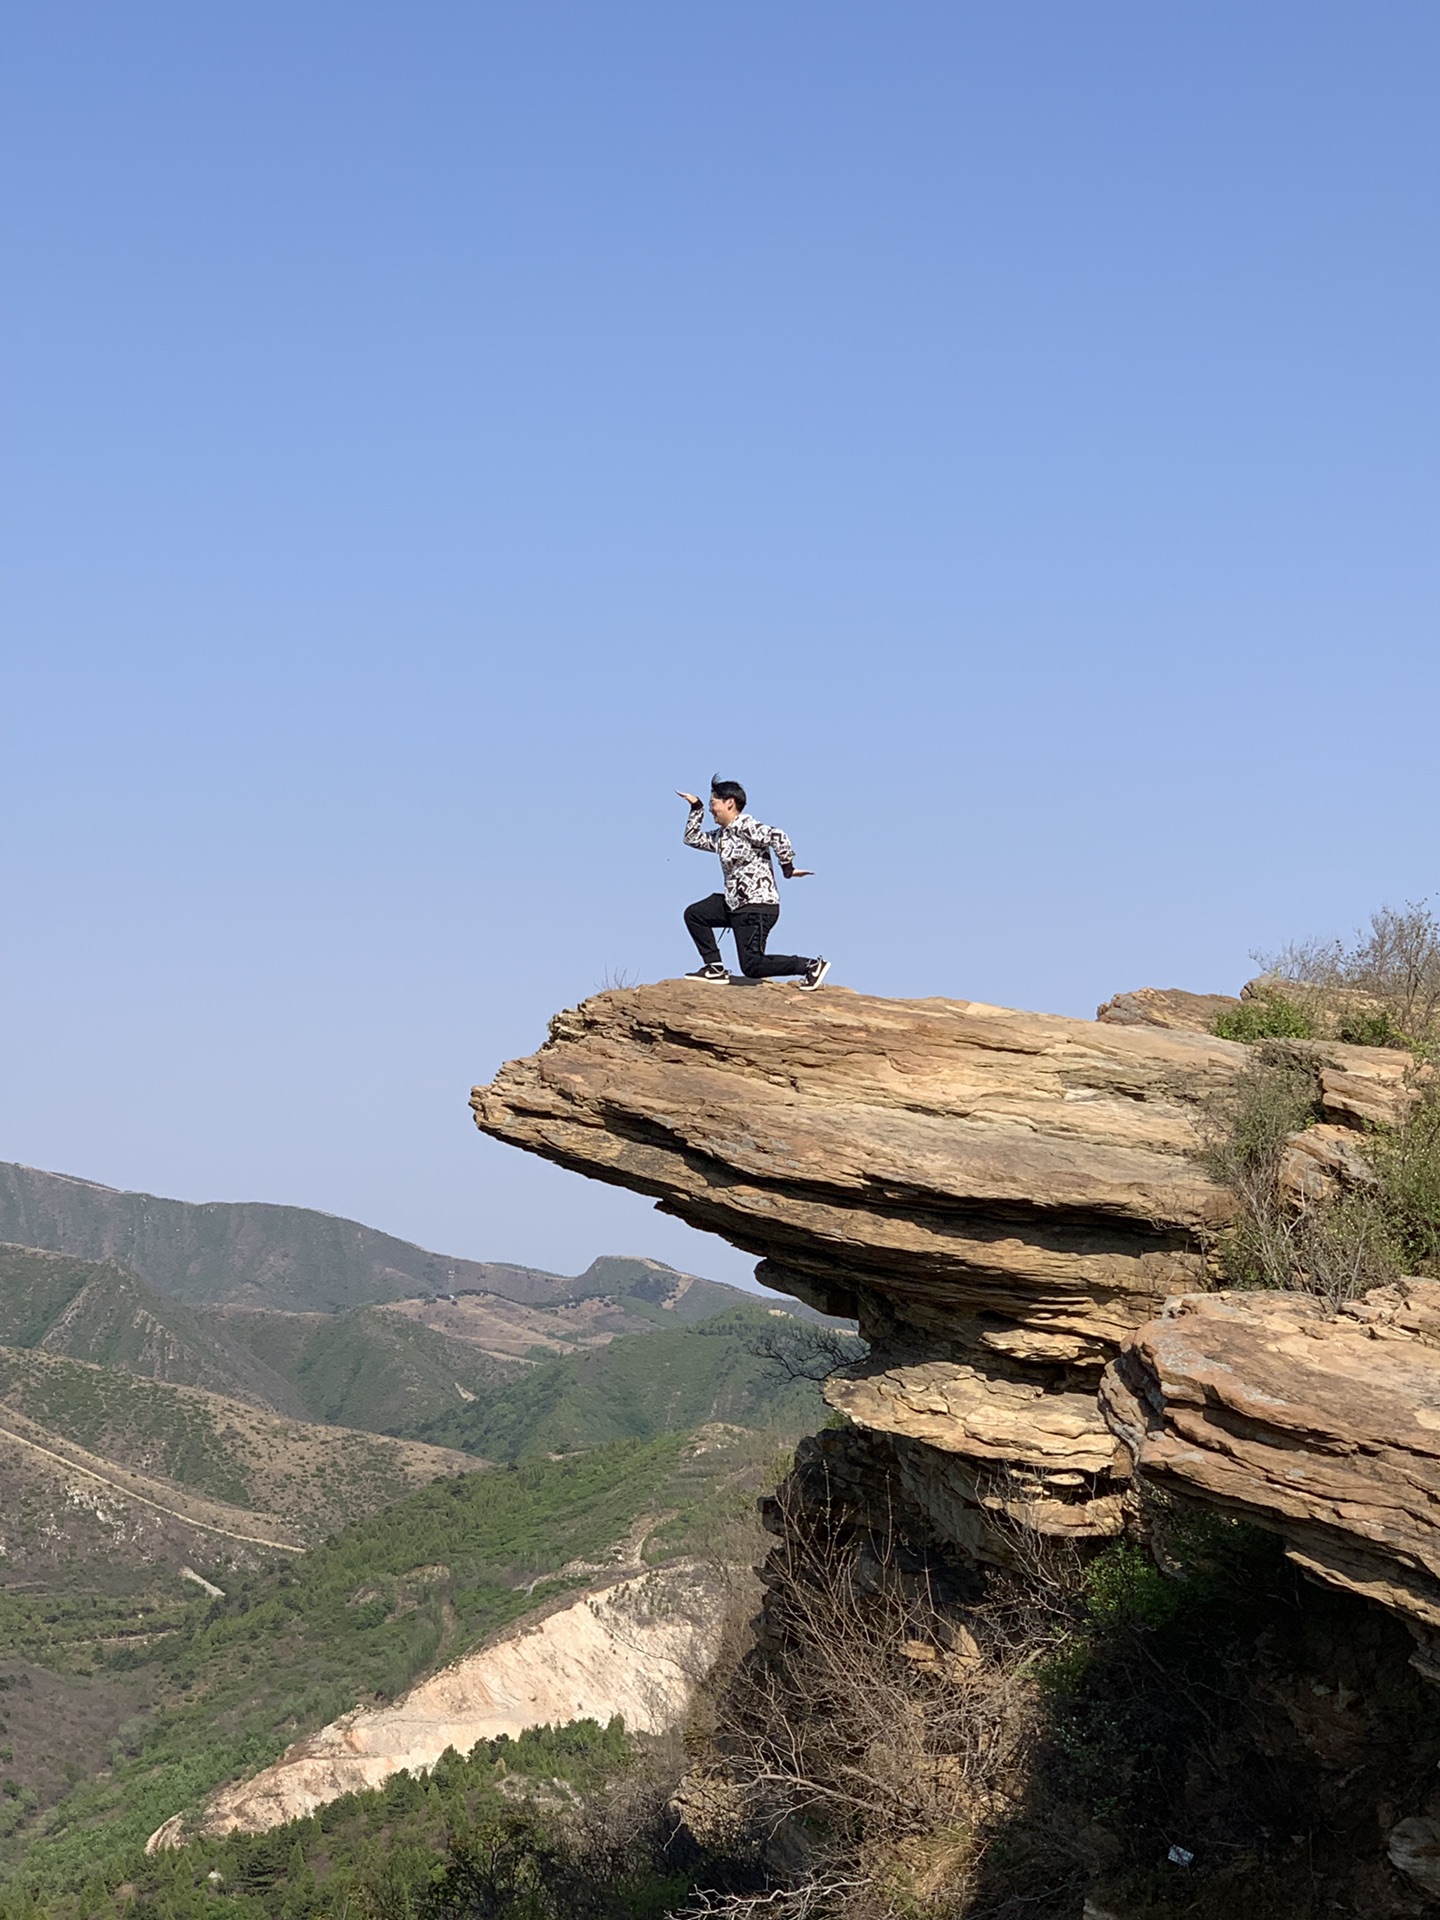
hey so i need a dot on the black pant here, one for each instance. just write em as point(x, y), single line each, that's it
point(751, 927)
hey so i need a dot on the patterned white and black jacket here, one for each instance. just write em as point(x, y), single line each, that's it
point(744, 848)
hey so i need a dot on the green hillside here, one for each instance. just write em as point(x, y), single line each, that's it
point(97, 1310)
point(653, 1292)
point(429, 1845)
point(362, 1368)
point(226, 1450)
point(77, 1526)
point(365, 1368)
point(122, 1699)
point(369, 1368)
point(156, 1430)
point(230, 1683)
point(637, 1386)
point(649, 1289)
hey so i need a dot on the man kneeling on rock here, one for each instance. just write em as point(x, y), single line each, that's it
point(750, 904)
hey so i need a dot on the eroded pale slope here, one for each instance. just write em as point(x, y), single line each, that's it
point(637, 1648)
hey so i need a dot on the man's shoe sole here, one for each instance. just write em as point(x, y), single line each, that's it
point(809, 986)
point(711, 979)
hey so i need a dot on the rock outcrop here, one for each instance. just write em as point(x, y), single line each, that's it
point(1017, 1210)
point(1166, 1007)
point(1002, 1199)
point(1323, 1427)
point(950, 1158)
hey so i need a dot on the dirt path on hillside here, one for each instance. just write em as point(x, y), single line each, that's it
point(127, 1492)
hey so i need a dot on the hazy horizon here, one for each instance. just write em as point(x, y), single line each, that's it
point(454, 1253)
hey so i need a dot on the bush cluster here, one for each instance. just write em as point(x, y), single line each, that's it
point(527, 1828)
point(1382, 990)
point(1336, 1246)
point(1269, 1016)
point(1384, 986)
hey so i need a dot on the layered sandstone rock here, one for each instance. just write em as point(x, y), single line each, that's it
point(1323, 1427)
point(999, 1197)
point(950, 1158)
point(942, 1153)
point(1003, 1444)
point(1166, 1007)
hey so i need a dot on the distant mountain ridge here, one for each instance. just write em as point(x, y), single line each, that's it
point(634, 1388)
point(618, 1366)
point(96, 1310)
point(252, 1253)
point(368, 1367)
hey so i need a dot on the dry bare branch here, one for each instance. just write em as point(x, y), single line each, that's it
point(877, 1715)
point(1395, 968)
point(814, 1895)
point(809, 1352)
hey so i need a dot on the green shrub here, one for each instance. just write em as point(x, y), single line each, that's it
point(1339, 1245)
point(1276, 1093)
point(1394, 967)
point(1334, 1248)
point(1157, 1722)
point(1124, 1587)
point(1272, 1017)
point(452, 1844)
point(1371, 1029)
point(1406, 1160)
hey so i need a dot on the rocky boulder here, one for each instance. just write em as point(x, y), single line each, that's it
point(1166, 1007)
point(1322, 1427)
point(951, 1157)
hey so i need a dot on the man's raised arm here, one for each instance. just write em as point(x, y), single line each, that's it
point(695, 834)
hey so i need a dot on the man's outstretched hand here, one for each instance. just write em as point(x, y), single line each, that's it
point(798, 873)
point(691, 799)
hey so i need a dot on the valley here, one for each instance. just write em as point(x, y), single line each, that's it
point(607, 1594)
point(306, 1478)
point(243, 1501)
point(182, 1695)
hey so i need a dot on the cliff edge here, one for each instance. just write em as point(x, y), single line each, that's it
point(1006, 1201)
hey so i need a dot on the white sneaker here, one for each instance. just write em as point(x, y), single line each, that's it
point(814, 974)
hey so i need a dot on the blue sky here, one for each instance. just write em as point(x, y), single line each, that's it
point(1003, 436)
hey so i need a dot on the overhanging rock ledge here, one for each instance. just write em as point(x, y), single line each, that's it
point(1003, 1199)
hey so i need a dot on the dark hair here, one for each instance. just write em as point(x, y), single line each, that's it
point(728, 790)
